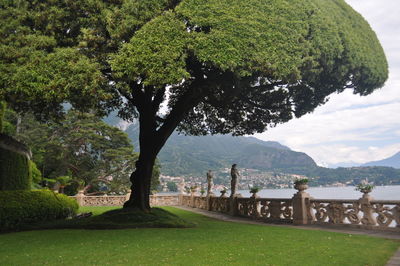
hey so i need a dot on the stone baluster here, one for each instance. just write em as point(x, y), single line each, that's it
point(396, 214)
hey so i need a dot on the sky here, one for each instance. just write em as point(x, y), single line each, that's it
point(351, 129)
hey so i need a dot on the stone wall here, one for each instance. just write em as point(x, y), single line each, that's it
point(155, 200)
point(365, 212)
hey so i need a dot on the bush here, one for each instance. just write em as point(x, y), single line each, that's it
point(15, 172)
point(21, 207)
point(36, 176)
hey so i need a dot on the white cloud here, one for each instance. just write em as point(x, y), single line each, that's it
point(336, 153)
point(366, 123)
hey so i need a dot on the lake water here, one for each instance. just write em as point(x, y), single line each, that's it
point(378, 193)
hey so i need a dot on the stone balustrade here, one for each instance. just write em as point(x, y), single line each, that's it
point(364, 213)
point(302, 209)
point(155, 200)
point(267, 210)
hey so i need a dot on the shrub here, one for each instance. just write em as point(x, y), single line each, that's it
point(365, 188)
point(15, 172)
point(301, 181)
point(36, 175)
point(255, 190)
point(72, 188)
point(21, 207)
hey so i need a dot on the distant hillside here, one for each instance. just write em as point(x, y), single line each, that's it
point(194, 155)
point(393, 161)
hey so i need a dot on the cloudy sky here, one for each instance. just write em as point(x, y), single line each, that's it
point(350, 128)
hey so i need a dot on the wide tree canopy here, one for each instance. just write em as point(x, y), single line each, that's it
point(196, 65)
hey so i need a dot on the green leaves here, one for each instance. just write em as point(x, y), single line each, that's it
point(156, 54)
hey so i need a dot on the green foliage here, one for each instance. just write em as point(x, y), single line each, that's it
point(226, 66)
point(54, 52)
point(73, 187)
point(255, 190)
point(24, 207)
point(49, 183)
point(172, 186)
point(211, 242)
point(9, 122)
point(15, 171)
point(301, 181)
point(37, 177)
point(365, 188)
point(83, 147)
point(2, 112)
point(64, 180)
point(40, 68)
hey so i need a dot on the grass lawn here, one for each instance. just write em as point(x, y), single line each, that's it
point(212, 242)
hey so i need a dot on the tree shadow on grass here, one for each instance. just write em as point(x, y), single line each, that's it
point(116, 219)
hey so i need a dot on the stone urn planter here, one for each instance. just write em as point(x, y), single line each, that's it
point(301, 187)
point(254, 196)
point(254, 192)
point(301, 184)
point(365, 189)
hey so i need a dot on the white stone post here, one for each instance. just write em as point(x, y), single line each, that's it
point(79, 197)
point(128, 195)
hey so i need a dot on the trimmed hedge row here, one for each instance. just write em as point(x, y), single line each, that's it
point(21, 207)
point(15, 172)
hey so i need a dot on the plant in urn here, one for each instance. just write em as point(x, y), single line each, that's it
point(301, 184)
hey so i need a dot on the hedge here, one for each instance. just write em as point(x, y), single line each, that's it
point(2, 111)
point(19, 207)
point(15, 172)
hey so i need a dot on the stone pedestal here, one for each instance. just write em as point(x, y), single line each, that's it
point(300, 208)
point(233, 205)
point(366, 208)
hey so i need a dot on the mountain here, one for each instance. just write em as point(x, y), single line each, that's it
point(195, 155)
point(393, 161)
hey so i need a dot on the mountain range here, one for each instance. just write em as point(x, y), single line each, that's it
point(393, 161)
point(194, 155)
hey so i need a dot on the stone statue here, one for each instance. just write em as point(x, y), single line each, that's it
point(235, 175)
point(209, 182)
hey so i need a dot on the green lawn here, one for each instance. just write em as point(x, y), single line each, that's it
point(212, 242)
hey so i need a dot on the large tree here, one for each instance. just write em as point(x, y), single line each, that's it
point(202, 67)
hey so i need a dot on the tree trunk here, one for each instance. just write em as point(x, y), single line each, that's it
point(141, 177)
point(151, 140)
point(141, 180)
